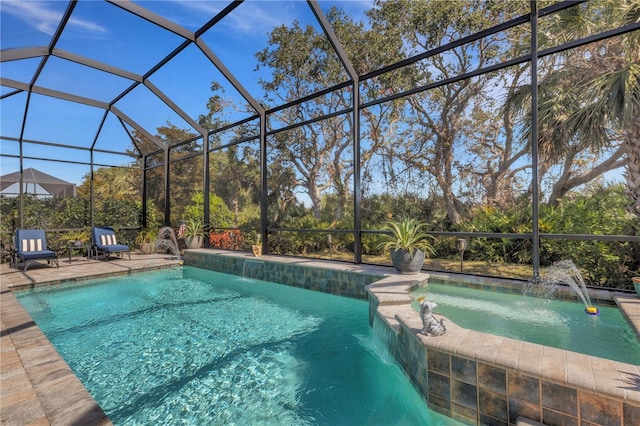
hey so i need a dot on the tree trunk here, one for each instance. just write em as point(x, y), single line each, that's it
point(316, 199)
point(632, 166)
point(444, 177)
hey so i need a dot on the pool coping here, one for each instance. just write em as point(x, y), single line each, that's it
point(598, 388)
point(558, 365)
point(38, 387)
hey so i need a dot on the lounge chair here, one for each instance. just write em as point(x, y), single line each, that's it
point(31, 245)
point(104, 241)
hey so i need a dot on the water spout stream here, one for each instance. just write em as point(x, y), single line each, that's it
point(566, 272)
point(562, 272)
point(252, 268)
point(166, 240)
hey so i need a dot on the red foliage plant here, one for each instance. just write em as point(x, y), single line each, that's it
point(228, 239)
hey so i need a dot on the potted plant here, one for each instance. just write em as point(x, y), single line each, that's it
point(636, 284)
point(146, 239)
point(76, 237)
point(257, 247)
point(192, 230)
point(408, 243)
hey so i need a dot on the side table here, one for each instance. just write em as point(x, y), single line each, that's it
point(86, 248)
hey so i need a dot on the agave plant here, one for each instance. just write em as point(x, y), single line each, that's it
point(408, 234)
point(193, 228)
point(80, 236)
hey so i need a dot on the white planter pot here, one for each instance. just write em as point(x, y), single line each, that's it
point(146, 248)
point(194, 242)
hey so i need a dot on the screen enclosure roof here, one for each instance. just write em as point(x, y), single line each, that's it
point(88, 75)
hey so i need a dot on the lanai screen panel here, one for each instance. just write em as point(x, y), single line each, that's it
point(242, 35)
point(61, 122)
point(204, 93)
point(186, 183)
point(155, 195)
point(115, 135)
point(235, 181)
point(76, 79)
point(39, 182)
point(118, 38)
point(64, 204)
point(21, 70)
point(581, 136)
point(191, 15)
point(12, 110)
point(150, 112)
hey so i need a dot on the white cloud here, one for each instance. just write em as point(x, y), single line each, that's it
point(39, 16)
point(205, 7)
point(87, 25)
point(259, 17)
point(251, 17)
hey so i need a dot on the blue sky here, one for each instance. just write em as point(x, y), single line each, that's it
point(108, 34)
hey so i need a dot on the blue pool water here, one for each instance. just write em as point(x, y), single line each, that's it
point(189, 346)
point(557, 323)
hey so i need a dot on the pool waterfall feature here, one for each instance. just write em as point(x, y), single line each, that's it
point(470, 376)
point(251, 268)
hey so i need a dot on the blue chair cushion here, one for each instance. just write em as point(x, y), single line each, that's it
point(43, 254)
point(114, 248)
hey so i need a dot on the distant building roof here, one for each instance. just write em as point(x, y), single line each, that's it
point(37, 183)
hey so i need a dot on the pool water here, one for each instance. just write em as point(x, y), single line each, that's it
point(190, 346)
point(557, 323)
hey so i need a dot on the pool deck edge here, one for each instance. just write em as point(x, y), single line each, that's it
point(630, 308)
point(37, 387)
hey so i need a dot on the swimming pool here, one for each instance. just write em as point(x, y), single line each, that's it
point(557, 323)
point(201, 347)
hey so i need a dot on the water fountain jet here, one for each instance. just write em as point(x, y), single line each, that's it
point(166, 240)
point(562, 272)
